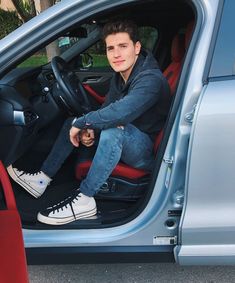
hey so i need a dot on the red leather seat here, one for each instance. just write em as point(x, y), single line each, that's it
point(121, 169)
point(188, 34)
point(177, 53)
point(179, 46)
point(172, 73)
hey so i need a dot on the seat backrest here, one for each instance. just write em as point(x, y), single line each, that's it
point(188, 34)
point(172, 72)
point(177, 53)
point(179, 46)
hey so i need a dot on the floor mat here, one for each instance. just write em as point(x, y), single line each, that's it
point(109, 212)
point(29, 206)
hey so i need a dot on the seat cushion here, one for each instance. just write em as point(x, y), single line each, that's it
point(121, 170)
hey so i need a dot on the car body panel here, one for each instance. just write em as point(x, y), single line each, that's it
point(206, 230)
point(208, 226)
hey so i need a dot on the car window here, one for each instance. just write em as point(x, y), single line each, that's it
point(55, 48)
point(224, 54)
point(148, 37)
point(98, 54)
point(44, 55)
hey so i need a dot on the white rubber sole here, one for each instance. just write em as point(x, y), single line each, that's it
point(65, 220)
point(24, 185)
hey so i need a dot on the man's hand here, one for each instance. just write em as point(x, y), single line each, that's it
point(87, 137)
point(74, 136)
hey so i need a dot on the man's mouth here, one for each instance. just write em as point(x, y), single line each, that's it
point(118, 62)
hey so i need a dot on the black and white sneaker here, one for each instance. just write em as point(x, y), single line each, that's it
point(35, 183)
point(76, 206)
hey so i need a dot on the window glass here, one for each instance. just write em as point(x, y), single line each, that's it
point(55, 48)
point(98, 54)
point(223, 60)
point(148, 37)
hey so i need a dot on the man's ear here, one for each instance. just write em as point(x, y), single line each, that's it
point(137, 48)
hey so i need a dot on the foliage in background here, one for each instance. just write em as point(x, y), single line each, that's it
point(9, 21)
point(25, 8)
point(41, 59)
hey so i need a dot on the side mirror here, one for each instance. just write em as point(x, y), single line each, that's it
point(87, 60)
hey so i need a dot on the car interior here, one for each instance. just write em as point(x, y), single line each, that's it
point(34, 106)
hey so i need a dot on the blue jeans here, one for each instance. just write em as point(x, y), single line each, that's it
point(62, 148)
point(127, 144)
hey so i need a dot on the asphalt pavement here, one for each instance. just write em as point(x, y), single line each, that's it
point(130, 273)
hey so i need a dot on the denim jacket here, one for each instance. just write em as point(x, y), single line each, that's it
point(144, 100)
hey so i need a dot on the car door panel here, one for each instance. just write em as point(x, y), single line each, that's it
point(208, 234)
point(99, 81)
point(13, 260)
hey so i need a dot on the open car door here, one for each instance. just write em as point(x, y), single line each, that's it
point(13, 260)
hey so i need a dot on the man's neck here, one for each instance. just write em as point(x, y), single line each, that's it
point(123, 77)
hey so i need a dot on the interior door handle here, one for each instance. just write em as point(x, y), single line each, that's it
point(92, 80)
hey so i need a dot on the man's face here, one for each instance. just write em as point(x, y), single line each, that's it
point(122, 53)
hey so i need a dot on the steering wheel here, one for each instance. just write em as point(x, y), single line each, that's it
point(69, 91)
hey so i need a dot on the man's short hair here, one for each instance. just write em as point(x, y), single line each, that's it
point(116, 26)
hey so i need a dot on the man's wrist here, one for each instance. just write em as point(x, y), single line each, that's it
point(79, 123)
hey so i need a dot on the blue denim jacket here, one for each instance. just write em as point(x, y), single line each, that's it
point(144, 100)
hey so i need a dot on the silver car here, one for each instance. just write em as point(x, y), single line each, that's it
point(183, 211)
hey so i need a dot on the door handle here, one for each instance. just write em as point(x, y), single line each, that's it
point(92, 80)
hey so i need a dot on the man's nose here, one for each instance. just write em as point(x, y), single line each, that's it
point(116, 52)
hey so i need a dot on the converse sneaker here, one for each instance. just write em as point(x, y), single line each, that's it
point(74, 207)
point(35, 183)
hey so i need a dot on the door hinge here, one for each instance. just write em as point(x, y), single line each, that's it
point(168, 161)
point(164, 240)
point(190, 115)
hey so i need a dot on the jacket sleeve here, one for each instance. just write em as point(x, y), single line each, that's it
point(144, 92)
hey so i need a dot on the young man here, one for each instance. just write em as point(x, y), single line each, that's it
point(134, 112)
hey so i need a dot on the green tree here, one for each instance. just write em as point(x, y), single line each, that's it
point(52, 49)
point(9, 22)
point(25, 8)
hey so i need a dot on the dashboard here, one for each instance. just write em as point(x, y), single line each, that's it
point(25, 109)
